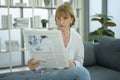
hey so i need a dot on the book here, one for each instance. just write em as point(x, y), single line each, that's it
point(6, 21)
point(12, 45)
point(21, 23)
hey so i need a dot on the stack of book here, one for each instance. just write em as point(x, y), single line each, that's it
point(12, 45)
point(6, 21)
point(21, 23)
point(36, 3)
point(57, 3)
point(9, 2)
point(21, 4)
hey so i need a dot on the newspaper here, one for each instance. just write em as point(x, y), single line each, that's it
point(46, 46)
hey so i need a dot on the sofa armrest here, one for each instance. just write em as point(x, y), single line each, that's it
point(89, 58)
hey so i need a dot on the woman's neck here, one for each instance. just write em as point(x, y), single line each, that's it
point(66, 36)
point(65, 32)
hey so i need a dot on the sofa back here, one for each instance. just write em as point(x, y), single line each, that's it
point(89, 59)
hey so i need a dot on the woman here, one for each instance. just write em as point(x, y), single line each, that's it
point(65, 18)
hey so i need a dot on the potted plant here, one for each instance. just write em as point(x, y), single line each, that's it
point(44, 22)
point(105, 22)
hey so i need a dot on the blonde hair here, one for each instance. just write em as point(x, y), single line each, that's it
point(67, 10)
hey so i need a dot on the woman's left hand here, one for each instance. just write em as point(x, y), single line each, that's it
point(71, 63)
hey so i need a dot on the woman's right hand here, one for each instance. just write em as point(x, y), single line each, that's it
point(33, 64)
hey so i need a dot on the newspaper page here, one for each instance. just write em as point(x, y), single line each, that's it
point(46, 46)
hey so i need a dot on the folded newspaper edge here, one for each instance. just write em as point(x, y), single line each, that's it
point(46, 46)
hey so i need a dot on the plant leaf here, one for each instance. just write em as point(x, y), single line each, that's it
point(109, 33)
point(112, 24)
point(97, 19)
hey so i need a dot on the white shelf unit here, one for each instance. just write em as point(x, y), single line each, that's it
point(22, 50)
point(23, 14)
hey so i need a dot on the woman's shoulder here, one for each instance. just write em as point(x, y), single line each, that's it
point(75, 33)
point(76, 37)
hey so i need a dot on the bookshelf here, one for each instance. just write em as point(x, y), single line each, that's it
point(9, 33)
point(12, 33)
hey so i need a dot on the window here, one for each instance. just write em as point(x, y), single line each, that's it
point(113, 10)
point(95, 6)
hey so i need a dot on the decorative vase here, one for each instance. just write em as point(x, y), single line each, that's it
point(46, 2)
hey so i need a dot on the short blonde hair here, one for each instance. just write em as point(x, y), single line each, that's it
point(67, 10)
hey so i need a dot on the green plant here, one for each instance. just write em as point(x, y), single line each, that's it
point(44, 21)
point(105, 22)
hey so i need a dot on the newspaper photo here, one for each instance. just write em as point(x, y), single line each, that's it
point(46, 46)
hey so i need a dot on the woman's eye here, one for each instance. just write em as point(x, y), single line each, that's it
point(65, 17)
point(58, 18)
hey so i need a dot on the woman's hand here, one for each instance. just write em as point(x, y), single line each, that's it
point(32, 64)
point(71, 63)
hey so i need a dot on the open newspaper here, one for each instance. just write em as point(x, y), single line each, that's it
point(46, 46)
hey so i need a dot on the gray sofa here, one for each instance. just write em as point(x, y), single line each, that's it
point(101, 59)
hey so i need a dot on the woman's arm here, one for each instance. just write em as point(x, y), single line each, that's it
point(79, 52)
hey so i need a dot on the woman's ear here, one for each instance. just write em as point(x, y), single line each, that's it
point(71, 21)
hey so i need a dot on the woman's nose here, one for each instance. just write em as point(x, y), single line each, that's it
point(62, 21)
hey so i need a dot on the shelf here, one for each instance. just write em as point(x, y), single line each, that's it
point(10, 28)
point(5, 51)
point(3, 29)
point(4, 6)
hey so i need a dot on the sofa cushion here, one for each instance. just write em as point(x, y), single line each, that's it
point(102, 73)
point(108, 53)
point(89, 59)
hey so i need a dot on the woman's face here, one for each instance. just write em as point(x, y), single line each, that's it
point(63, 22)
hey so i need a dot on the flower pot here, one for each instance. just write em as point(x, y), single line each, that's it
point(44, 25)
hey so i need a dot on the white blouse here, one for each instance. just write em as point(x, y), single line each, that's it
point(75, 48)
